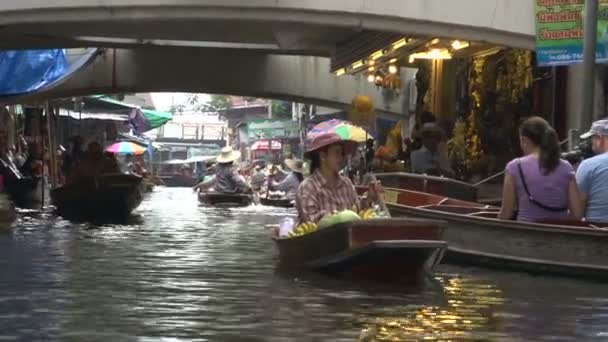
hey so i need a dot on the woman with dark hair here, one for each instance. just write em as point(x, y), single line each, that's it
point(540, 185)
point(325, 191)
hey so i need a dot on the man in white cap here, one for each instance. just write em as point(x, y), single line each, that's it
point(592, 174)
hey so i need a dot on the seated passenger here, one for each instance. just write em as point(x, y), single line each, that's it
point(592, 175)
point(325, 191)
point(540, 185)
point(227, 178)
point(431, 159)
point(110, 164)
point(92, 164)
point(258, 178)
point(290, 184)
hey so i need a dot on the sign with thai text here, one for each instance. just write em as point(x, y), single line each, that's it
point(559, 32)
point(272, 129)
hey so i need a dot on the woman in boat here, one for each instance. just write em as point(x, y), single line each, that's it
point(290, 184)
point(540, 185)
point(325, 191)
point(227, 179)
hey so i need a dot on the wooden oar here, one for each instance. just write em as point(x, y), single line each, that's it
point(503, 171)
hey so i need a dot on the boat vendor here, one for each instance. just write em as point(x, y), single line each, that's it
point(290, 184)
point(430, 158)
point(227, 179)
point(325, 191)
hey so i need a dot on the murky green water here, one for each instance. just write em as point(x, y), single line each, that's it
point(180, 272)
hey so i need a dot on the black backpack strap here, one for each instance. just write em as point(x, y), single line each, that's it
point(525, 185)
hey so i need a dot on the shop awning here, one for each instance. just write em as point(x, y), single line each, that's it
point(155, 118)
point(262, 145)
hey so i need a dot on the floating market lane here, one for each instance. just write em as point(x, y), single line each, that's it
point(181, 272)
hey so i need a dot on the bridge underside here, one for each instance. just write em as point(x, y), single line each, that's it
point(296, 78)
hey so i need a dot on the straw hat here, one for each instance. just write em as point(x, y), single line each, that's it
point(327, 139)
point(228, 155)
point(295, 165)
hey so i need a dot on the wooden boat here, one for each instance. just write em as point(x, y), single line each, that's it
point(7, 212)
point(106, 196)
point(179, 181)
point(147, 185)
point(563, 247)
point(373, 249)
point(219, 199)
point(277, 202)
point(430, 184)
point(25, 192)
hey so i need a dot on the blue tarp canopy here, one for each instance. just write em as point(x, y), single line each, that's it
point(27, 71)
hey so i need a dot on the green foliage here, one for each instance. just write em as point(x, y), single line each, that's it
point(281, 109)
point(217, 104)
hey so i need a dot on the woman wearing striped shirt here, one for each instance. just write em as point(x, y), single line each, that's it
point(325, 191)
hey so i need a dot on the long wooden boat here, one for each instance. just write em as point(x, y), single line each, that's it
point(25, 192)
point(105, 196)
point(379, 249)
point(430, 184)
point(230, 200)
point(277, 202)
point(564, 247)
point(178, 181)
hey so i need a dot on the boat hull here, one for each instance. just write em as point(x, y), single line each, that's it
point(178, 181)
point(217, 199)
point(281, 203)
point(380, 249)
point(476, 238)
point(429, 184)
point(25, 192)
point(111, 196)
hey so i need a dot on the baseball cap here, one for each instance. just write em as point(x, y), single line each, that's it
point(599, 127)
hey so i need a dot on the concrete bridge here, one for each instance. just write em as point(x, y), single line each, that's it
point(265, 48)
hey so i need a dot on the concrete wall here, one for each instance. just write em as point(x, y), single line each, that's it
point(296, 78)
point(508, 22)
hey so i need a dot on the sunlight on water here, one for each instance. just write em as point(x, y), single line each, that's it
point(178, 271)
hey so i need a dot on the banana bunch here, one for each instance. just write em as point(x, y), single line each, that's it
point(368, 214)
point(303, 229)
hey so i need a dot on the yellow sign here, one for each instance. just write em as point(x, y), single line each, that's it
point(391, 197)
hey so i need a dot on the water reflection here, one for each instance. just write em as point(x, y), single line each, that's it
point(182, 272)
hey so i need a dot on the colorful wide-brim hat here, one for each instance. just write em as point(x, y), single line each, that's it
point(327, 139)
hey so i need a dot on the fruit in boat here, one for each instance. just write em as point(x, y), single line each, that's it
point(303, 229)
point(368, 214)
point(341, 217)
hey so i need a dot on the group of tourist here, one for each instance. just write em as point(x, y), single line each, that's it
point(540, 186)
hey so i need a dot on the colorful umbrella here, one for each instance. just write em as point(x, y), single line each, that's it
point(345, 129)
point(125, 147)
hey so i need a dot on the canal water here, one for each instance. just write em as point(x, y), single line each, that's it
point(181, 272)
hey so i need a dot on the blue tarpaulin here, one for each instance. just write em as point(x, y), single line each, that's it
point(26, 71)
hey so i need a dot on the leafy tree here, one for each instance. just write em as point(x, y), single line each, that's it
point(177, 108)
point(217, 104)
point(281, 109)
